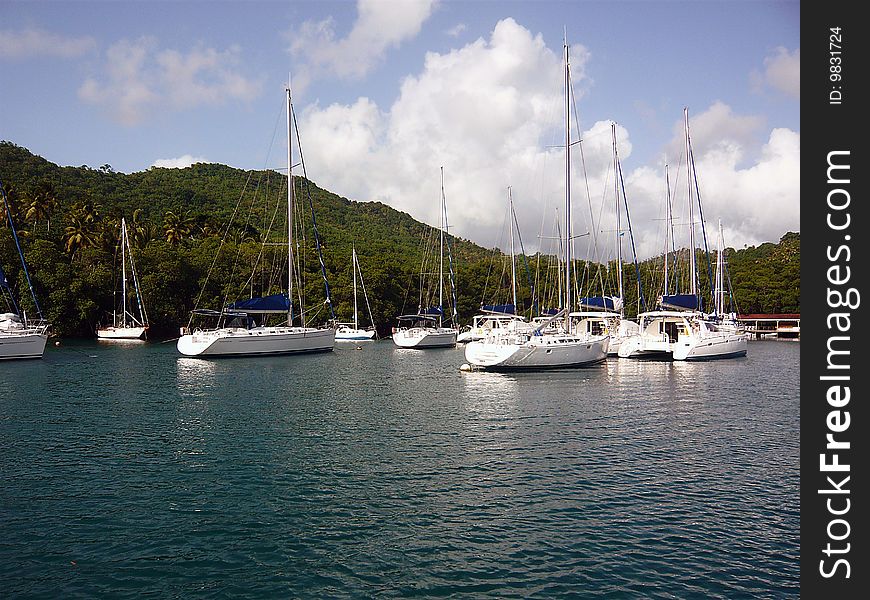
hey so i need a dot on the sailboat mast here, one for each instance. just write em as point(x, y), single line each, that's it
point(567, 298)
point(692, 266)
point(720, 267)
point(123, 273)
point(513, 259)
point(669, 227)
point(289, 210)
point(441, 259)
point(354, 267)
point(618, 220)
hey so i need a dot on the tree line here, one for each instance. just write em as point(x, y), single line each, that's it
point(210, 234)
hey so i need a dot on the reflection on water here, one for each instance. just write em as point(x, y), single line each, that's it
point(195, 376)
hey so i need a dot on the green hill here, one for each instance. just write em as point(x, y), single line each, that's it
point(198, 238)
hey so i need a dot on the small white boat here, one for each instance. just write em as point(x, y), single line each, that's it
point(422, 331)
point(351, 332)
point(347, 332)
point(126, 326)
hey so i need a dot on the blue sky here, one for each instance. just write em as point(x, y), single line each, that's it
point(388, 91)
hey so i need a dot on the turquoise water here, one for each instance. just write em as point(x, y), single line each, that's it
point(129, 471)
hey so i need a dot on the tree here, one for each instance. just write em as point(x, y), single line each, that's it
point(177, 228)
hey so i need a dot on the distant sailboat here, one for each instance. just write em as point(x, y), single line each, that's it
point(351, 332)
point(126, 326)
point(20, 337)
point(425, 329)
point(237, 333)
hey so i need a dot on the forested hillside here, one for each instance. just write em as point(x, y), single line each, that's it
point(209, 234)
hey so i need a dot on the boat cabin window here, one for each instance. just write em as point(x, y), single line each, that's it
point(672, 330)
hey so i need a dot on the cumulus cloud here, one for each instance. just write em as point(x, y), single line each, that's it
point(182, 162)
point(380, 25)
point(491, 113)
point(140, 78)
point(30, 43)
point(782, 72)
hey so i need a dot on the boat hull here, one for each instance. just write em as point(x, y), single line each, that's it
point(121, 333)
point(420, 337)
point(537, 353)
point(22, 345)
point(354, 335)
point(256, 341)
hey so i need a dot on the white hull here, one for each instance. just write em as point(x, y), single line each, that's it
point(425, 337)
point(687, 338)
point(605, 323)
point(121, 333)
point(354, 335)
point(22, 345)
point(535, 352)
point(256, 341)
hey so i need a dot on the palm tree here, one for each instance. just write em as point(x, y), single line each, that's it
point(141, 231)
point(83, 231)
point(177, 228)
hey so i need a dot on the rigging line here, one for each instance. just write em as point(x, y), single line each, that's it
point(700, 212)
point(313, 217)
point(20, 253)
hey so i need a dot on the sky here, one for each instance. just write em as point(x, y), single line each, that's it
point(387, 92)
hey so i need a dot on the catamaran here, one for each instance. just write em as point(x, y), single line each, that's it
point(679, 330)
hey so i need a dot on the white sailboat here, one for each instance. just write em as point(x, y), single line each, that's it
point(237, 333)
point(20, 337)
point(606, 314)
point(351, 332)
point(126, 326)
point(679, 330)
point(425, 329)
point(551, 344)
point(496, 316)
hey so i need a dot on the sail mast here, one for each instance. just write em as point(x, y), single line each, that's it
point(123, 274)
point(669, 226)
point(618, 220)
point(567, 298)
point(513, 260)
point(289, 210)
point(354, 267)
point(694, 283)
point(441, 259)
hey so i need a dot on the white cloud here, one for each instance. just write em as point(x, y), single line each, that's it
point(140, 79)
point(31, 43)
point(491, 113)
point(782, 72)
point(380, 25)
point(182, 162)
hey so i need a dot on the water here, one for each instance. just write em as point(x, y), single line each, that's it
point(129, 471)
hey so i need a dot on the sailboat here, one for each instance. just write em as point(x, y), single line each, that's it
point(425, 329)
point(126, 326)
point(679, 330)
point(20, 337)
point(606, 314)
point(496, 316)
point(351, 332)
point(238, 333)
point(551, 344)
point(724, 312)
